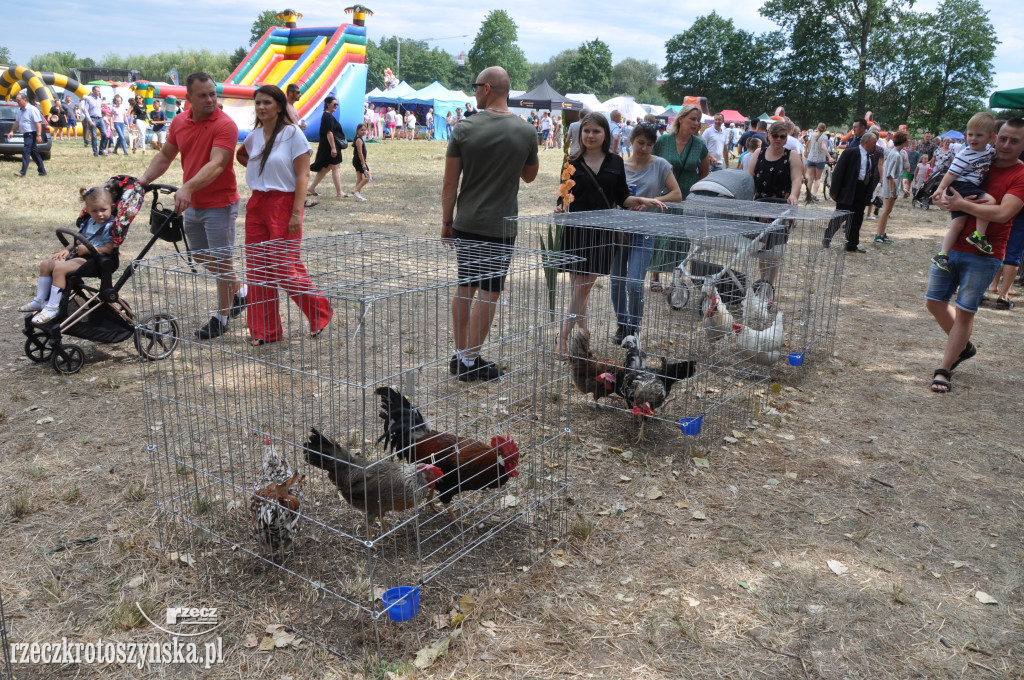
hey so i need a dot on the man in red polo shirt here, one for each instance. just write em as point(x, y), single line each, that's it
point(971, 272)
point(208, 199)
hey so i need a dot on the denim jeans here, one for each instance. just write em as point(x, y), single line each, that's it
point(122, 138)
point(629, 267)
point(96, 127)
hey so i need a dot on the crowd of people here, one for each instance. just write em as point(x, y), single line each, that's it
point(614, 163)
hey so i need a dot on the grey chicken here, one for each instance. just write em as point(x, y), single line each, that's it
point(276, 502)
point(371, 487)
point(645, 390)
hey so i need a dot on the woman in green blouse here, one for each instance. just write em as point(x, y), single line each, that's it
point(686, 152)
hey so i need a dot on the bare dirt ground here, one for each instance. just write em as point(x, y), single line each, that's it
point(919, 496)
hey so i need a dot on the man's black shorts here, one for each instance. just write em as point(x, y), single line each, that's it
point(483, 260)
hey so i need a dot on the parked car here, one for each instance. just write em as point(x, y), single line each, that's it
point(12, 146)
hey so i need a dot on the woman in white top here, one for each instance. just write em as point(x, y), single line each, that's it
point(647, 176)
point(816, 154)
point(276, 159)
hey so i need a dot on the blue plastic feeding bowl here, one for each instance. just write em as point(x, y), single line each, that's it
point(402, 603)
point(796, 359)
point(691, 426)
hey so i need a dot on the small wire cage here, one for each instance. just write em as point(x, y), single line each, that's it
point(709, 380)
point(5, 649)
point(219, 410)
point(810, 244)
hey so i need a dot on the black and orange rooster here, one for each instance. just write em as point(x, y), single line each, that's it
point(466, 464)
point(590, 373)
point(643, 389)
point(373, 487)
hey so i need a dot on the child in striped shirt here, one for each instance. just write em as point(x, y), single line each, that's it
point(966, 175)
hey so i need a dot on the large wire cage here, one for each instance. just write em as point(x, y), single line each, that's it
point(710, 384)
point(811, 249)
point(219, 409)
point(5, 649)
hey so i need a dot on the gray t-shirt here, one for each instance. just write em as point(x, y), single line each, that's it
point(650, 182)
point(494, 149)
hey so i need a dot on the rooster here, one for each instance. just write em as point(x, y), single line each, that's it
point(645, 390)
point(465, 464)
point(717, 320)
point(590, 373)
point(373, 488)
point(757, 309)
point(276, 503)
point(761, 347)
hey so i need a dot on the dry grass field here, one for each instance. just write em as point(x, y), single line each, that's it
point(919, 496)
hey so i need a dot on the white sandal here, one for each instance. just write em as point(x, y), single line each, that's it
point(36, 305)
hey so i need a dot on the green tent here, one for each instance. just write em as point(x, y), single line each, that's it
point(1007, 99)
point(764, 116)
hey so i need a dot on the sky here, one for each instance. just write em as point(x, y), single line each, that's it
point(225, 25)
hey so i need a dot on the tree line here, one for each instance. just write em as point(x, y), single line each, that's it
point(833, 60)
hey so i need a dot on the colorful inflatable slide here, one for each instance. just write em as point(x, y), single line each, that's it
point(321, 61)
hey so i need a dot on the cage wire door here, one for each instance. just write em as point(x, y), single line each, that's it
point(5, 652)
point(681, 366)
point(272, 462)
point(809, 242)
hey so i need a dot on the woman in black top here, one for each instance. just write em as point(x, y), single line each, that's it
point(328, 155)
point(139, 114)
point(778, 172)
point(600, 184)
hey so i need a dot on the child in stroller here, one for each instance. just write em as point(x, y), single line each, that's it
point(97, 225)
point(69, 306)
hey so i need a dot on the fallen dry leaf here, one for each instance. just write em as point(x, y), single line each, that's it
point(654, 494)
point(984, 597)
point(701, 462)
point(697, 514)
point(250, 641)
point(426, 657)
point(837, 567)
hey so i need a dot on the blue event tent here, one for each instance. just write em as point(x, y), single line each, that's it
point(442, 99)
point(954, 135)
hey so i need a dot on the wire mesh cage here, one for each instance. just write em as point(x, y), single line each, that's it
point(5, 649)
point(273, 462)
point(809, 245)
point(676, 357)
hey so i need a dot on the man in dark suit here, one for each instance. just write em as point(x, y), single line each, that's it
point(853, 180)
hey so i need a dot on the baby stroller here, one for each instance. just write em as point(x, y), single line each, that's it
point(99, 313)
point(923, 196)
point(692, 272)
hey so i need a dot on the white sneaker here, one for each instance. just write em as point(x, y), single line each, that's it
point(358, 196)
point(871, 217)
point(46, 316)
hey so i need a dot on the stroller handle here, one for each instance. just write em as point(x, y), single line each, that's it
point(163, 188)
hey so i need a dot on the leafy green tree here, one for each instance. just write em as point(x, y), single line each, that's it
point(812, 79)
point(378, 60)
point(696, 59)
point(56, 62)
point(264, 20)
point(5, 56)
point(550, 69)
point(963, 65)
point(238, 56)
point(156, 66)
point(901, 78)
point(633, 77)
point(496, 45)
point(590, 71)
point(852, 20)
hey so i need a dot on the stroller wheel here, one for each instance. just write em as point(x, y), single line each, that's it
point(39, 346)
point(156, 336)
point(68, 359)
point(678, 292)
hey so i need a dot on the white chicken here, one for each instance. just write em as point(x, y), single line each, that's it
point(757, 309)
point(276, 503)
point(762, 347)
point(717, 320)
